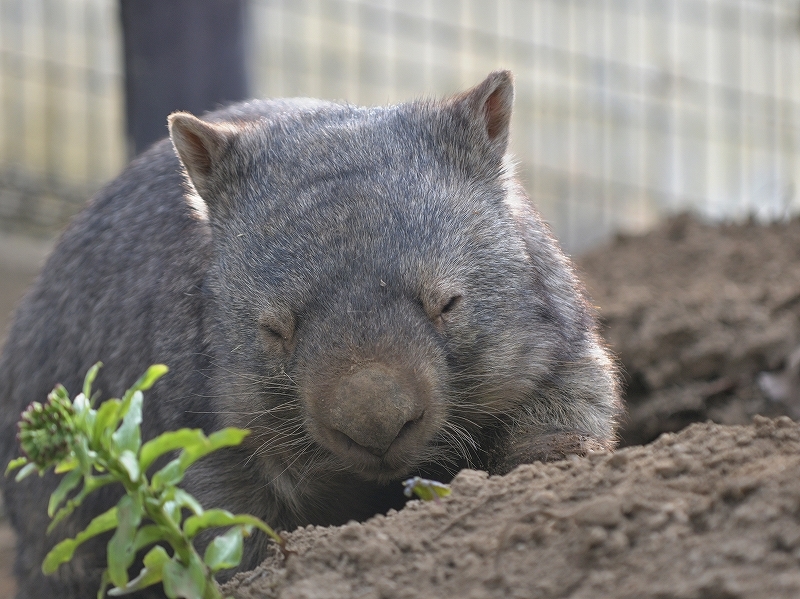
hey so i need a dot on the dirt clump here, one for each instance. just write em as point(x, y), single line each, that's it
point(696, 313)
point(711, 511)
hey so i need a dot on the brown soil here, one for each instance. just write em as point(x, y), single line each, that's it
point(708, 512)
point(696, 313)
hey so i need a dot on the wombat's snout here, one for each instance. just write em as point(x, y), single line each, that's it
point(373, 409)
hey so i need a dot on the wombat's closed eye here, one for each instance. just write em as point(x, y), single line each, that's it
point(439, 309)
point(277, 328)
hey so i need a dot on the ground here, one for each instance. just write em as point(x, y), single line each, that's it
point(705, 321)
point(708, 512)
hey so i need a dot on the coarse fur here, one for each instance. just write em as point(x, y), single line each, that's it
point(368, 290)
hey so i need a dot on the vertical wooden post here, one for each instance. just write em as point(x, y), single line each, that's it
point(180, 55)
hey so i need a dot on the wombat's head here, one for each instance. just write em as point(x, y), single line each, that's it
point(385, 293)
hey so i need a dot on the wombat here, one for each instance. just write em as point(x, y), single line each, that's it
point(368, 290)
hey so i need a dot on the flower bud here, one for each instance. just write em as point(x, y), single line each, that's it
point(47, 432)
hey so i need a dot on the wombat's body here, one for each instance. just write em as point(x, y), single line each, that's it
point(368, 290)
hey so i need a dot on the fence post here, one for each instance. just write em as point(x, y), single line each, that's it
point(179, 55)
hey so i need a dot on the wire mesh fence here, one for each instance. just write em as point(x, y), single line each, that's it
point(626, 110)
point(60, 108)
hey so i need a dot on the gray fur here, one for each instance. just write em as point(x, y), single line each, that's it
point(369, 290)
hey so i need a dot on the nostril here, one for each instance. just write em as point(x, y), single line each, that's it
point(377, 451)
point(409, 425)
point(349, 443)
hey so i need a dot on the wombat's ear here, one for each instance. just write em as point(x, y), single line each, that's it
point(200, 146)
point(490, 103)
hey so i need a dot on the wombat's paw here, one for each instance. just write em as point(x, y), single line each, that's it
point(545, 447)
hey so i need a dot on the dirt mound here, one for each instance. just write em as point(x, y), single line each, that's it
point(708, 512)
point(695, 313)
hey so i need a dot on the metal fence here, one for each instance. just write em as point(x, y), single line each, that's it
point(626, 109)
point(61, 127)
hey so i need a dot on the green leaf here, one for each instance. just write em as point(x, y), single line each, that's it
point(166, 442)
point(82, 454)
point(173, 510)
point(84, 414)
point(425, 489)
point(81, 405)
point(149, 575)
point(225, 551)
point(187, 581)
point(121, 546)
point(183, 499)
point(90, 484)
point(16, 463)
point(128, 460)
point(88, 380)
point(104, 582)
point(216, 517)
point(155, 372)
point(148, 379)
point(128, 436)
point(107, 419)
point(66, 465)
point(208, 519)
point(169, 475)
point(195, 445)
point(69, 482)
point(147, 535)
point(26, 471)
point(227, 437)
point(63, 552)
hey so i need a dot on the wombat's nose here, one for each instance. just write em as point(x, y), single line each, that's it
point(372, 406)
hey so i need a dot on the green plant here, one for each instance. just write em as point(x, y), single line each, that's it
point(425, 489)
point(97, 447)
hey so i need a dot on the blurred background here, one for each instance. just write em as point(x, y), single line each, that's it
point(626, 110)
point(627, 113)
